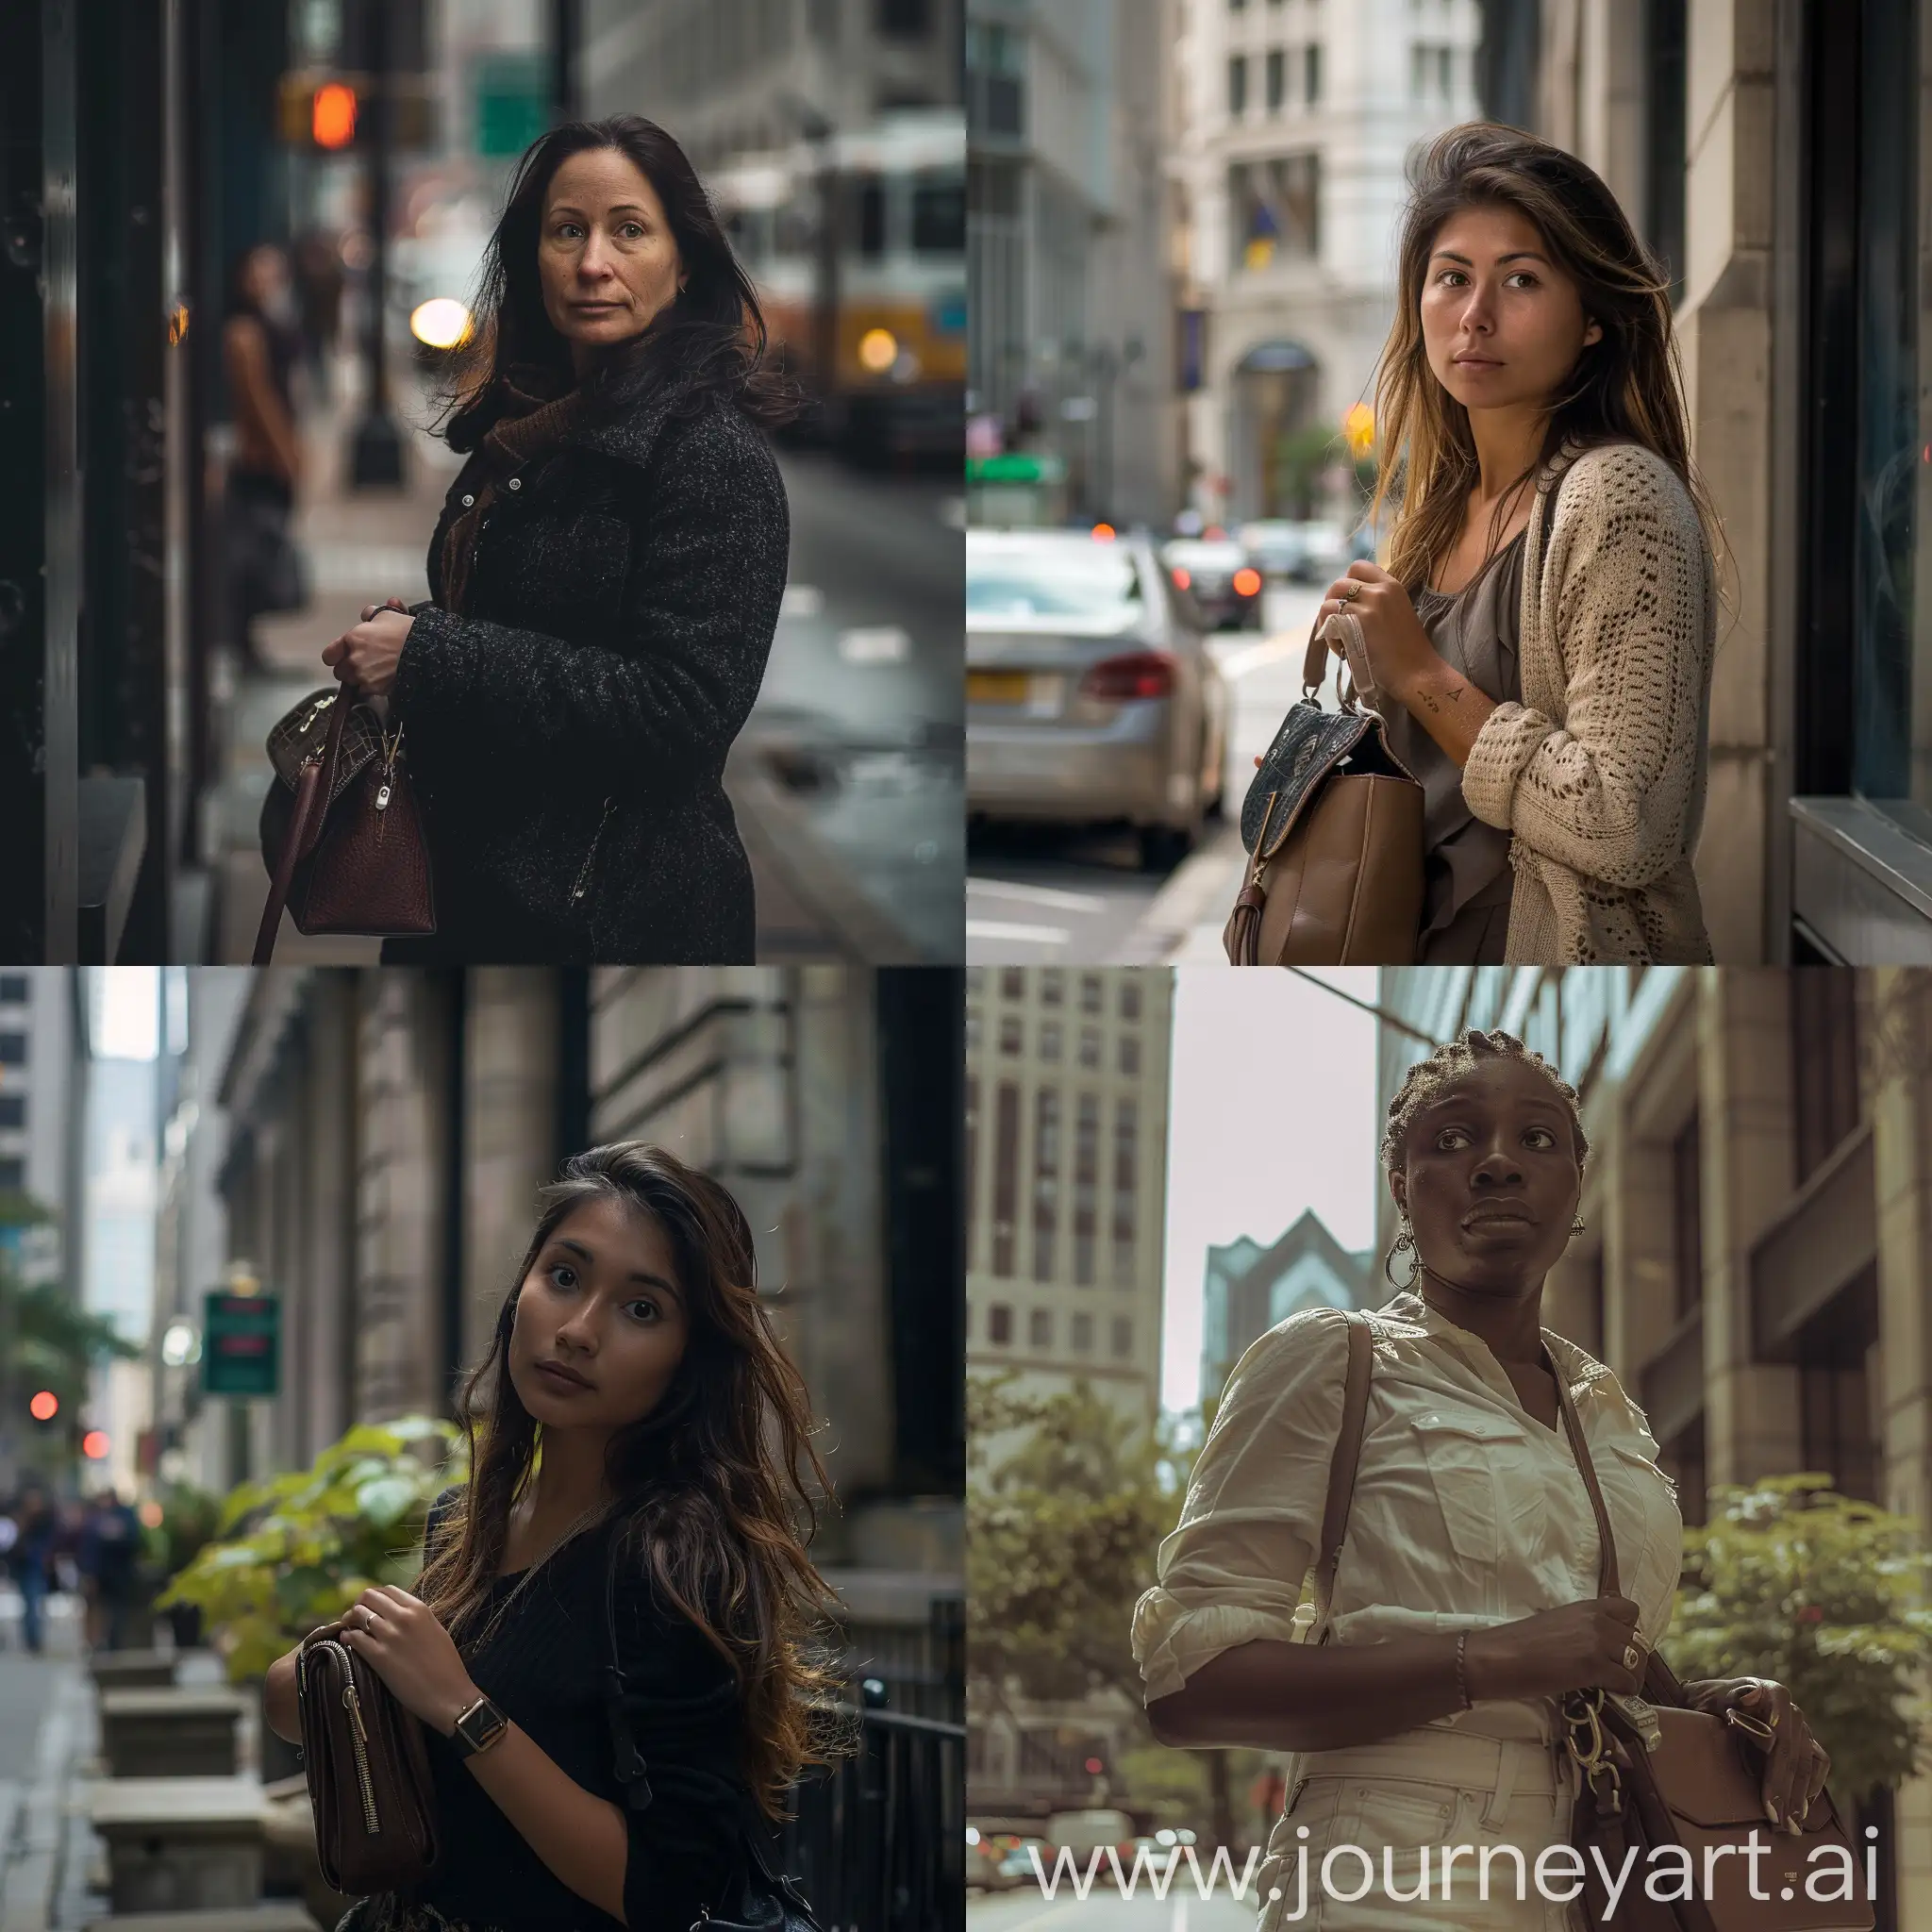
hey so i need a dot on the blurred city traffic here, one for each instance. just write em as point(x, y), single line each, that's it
point(336, 167)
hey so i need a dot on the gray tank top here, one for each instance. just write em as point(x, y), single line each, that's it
point(1466, 862)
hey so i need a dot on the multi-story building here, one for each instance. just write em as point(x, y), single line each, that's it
point(1068, 250)
point(1252, 1287)
point(1066, 1150)
point(1299, 116)
point(376, 1139)
point(1757, 1265)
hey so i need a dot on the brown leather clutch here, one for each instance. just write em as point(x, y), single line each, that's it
point(368, 1768)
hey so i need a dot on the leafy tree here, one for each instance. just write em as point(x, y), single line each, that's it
point(294, 1551)
point(1791, 1581)
point(1063, 1525)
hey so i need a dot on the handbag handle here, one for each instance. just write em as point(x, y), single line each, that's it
point(313, 789)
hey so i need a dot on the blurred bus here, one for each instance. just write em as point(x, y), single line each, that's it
point(898, 310)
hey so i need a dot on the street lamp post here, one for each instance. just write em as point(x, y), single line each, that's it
point(375, 457)
point(566, 29)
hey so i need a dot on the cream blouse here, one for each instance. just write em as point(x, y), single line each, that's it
point(1468, 1512)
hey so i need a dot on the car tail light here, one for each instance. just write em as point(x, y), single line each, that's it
point(1247, 582)
point(1104, 533)
point(1138, 674)
point(1181, 580)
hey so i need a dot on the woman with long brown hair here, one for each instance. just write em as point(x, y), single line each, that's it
point(1540, 640)
point(638, 1421)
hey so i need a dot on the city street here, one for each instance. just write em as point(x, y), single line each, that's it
point(846, 780)
point(1040, 893)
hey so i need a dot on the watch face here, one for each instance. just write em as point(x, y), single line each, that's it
point(481, 1723)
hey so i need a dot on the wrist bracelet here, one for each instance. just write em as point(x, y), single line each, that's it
point(1461, 1679)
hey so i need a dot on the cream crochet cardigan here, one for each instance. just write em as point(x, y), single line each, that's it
point(1599, 773)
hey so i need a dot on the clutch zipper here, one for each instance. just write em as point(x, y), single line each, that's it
point(390, 747)
point(354, 1705)
point(583, 878)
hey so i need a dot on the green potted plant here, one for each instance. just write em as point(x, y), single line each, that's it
point(188, 1520)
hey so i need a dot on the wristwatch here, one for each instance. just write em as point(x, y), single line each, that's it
point(479, 1728)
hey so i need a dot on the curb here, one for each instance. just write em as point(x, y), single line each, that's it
point(36, 1847)
point(1194, 899)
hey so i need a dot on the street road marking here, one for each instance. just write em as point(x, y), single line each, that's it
point(802, 600)
point(1038, 895)
point(878, 644)
point(1032, 935)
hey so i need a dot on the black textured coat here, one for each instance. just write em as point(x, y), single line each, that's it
point(567, 738)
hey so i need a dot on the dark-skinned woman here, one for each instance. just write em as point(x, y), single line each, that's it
point(605, 577)
point(1465, 1603)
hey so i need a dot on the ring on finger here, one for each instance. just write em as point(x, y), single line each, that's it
point(1349, 595)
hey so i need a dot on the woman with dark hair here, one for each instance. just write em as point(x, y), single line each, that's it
point(1464, 1605)
point(634, 1423)
point(605, 577)
point(260, 347)
point(1539, 642)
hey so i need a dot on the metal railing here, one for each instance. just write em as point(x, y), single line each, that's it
point(879, 1842)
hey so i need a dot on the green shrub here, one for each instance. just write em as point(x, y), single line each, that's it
point(294, 1551)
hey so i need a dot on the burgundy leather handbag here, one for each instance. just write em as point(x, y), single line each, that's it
point(340, 830)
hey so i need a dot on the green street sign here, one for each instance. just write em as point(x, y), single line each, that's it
point(1018, 466)
point(242, 1344)
point(513, 102)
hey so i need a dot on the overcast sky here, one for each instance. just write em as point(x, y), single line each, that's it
point(1271, 1110)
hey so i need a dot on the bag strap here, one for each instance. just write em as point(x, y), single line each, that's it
point(1342, 1466)
point(312, 789)
point(1606, 1584)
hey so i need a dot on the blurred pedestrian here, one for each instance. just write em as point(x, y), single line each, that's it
point(318, 271)
point(605, 577)
point(1540, 642)
point(261, 345)
point(32, 1560)
point(109, 1547)
point(615, 1653)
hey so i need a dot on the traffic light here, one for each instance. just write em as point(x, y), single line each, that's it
point(332, 113)
point(44, 1407)
point(94, 1445)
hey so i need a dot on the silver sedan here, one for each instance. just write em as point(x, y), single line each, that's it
point(1088, 694)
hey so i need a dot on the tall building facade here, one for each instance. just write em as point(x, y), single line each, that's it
point(1298, 118)
point(1066, 1165)
point(1069, 244)
point(1757, 1265)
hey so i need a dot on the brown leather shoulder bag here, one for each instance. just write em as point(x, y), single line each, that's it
point(369, 1779)
point(1333, 825)
point(1651, 1770)
point(340, 830)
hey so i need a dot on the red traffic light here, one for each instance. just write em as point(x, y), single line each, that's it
point(1094, 1767)
point(94, 1445)
point(332, 115)
point(44, 1406)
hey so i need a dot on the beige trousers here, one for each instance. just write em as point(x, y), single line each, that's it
point(1428, 1791)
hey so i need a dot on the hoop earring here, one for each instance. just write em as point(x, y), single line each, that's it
point(1405, 1239)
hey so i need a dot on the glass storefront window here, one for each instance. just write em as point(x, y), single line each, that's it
point(1891, 615)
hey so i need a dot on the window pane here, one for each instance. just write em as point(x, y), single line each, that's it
point(12, 989)
point(939, 214)
point(1276, 78)
point(999, 1323)
point(1040, 1328)
point(1893, 733)
point(1086, 1188)
point(1046, 1179)
point(13, 1110)
point(1006, 1182)
point(1238, 84)
point(1083, 1334)
point(12, 1049)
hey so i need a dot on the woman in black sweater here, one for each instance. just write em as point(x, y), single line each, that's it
point(604, 578)
point(645, 1431)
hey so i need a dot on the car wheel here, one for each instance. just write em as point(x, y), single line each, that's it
point(1163, 847)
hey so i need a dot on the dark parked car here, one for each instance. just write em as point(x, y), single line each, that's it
point(1220, 578)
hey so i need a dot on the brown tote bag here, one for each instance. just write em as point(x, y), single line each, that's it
point(1333, 825)
point(1695, 1787)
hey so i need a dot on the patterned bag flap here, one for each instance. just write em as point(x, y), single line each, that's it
point(1309, 745)
point(300, 736)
